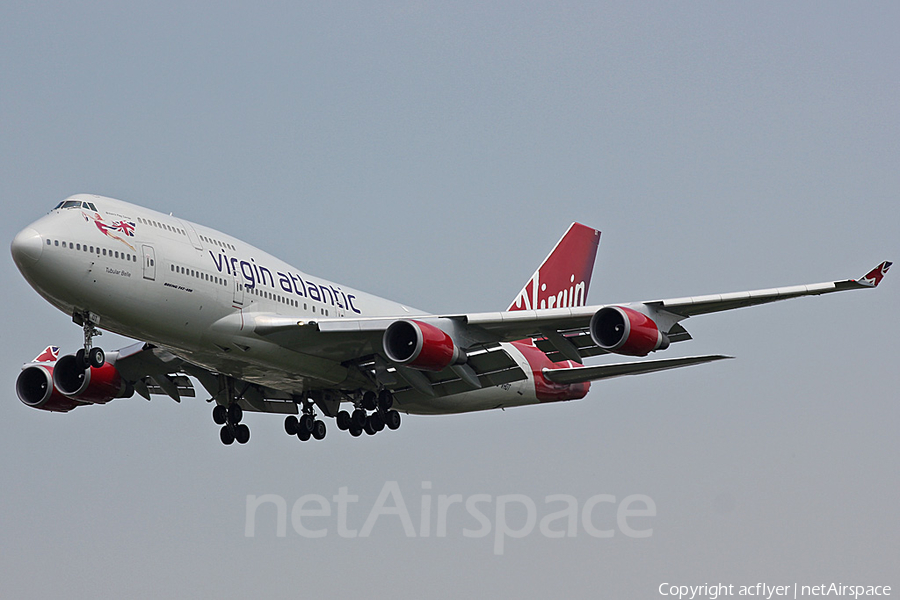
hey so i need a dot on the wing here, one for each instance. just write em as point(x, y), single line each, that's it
point(562, 333)
point(152, 370)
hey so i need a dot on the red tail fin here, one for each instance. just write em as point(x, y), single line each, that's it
point(49, 355)
point(563, 278)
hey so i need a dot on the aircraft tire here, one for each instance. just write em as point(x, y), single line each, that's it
point(290, 425)
point(226, 435)
point(385, 399)
point(377, 419)
point(96, 357)
point(392, 419)
point(306, 423)
point(319, 430)
point(242, 434)
point(220, 414)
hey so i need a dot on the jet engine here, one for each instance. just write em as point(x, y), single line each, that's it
point(93, 385)
point(420, 346)
point(626, 331)
point(35, 388)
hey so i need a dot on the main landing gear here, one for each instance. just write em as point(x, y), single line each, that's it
point(372, 414)
point(89, 356)
point(307, 426)
point(230, 419)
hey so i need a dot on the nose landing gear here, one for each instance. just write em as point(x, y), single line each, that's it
point(89, 356)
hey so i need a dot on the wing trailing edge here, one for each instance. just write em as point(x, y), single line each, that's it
point(594, 373)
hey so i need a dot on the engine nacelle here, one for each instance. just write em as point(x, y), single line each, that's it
point(35, 388)
point(626, 331)
point(420, 346)
point(95, 385)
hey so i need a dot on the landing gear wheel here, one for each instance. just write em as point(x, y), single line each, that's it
point(385, 399)
point(306, 423)
point(370, 427)
point(227, 435)
point(359, 418)
point(303, 435)
point(392, 419)
point(319, 430)
point(377, 420)
point(235, 414)
point(355, 431)
point(291, 425)
point(96, 357)
point(368, 400)
point(242, 434)
point(343, 420)
point(81, 359)
point(220, 414)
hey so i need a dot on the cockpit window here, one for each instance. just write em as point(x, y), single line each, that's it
point(76, 204)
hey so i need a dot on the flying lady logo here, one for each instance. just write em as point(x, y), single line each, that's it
point(123, 226)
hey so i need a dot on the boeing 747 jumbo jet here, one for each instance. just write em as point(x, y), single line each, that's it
point(260, 335)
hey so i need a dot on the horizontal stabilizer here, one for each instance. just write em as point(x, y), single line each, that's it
point(583, 374)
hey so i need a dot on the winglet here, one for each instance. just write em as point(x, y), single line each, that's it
point(874, 277)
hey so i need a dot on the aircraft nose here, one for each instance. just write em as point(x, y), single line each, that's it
point(26, 248)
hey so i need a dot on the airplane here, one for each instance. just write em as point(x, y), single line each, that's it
point(259, 335)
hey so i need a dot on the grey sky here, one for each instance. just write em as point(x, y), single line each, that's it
point(433, 155)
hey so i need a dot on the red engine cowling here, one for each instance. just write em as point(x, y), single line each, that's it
point(420, 346)
point(35, 388)
point(93, 385)
point(626, 331)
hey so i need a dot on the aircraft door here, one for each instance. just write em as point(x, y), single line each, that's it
point(149, 257)
point(238, 291)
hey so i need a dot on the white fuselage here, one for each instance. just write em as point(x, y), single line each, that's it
point(187, 288)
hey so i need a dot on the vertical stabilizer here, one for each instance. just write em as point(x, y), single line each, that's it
point(563, 278)
point(49, 355)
